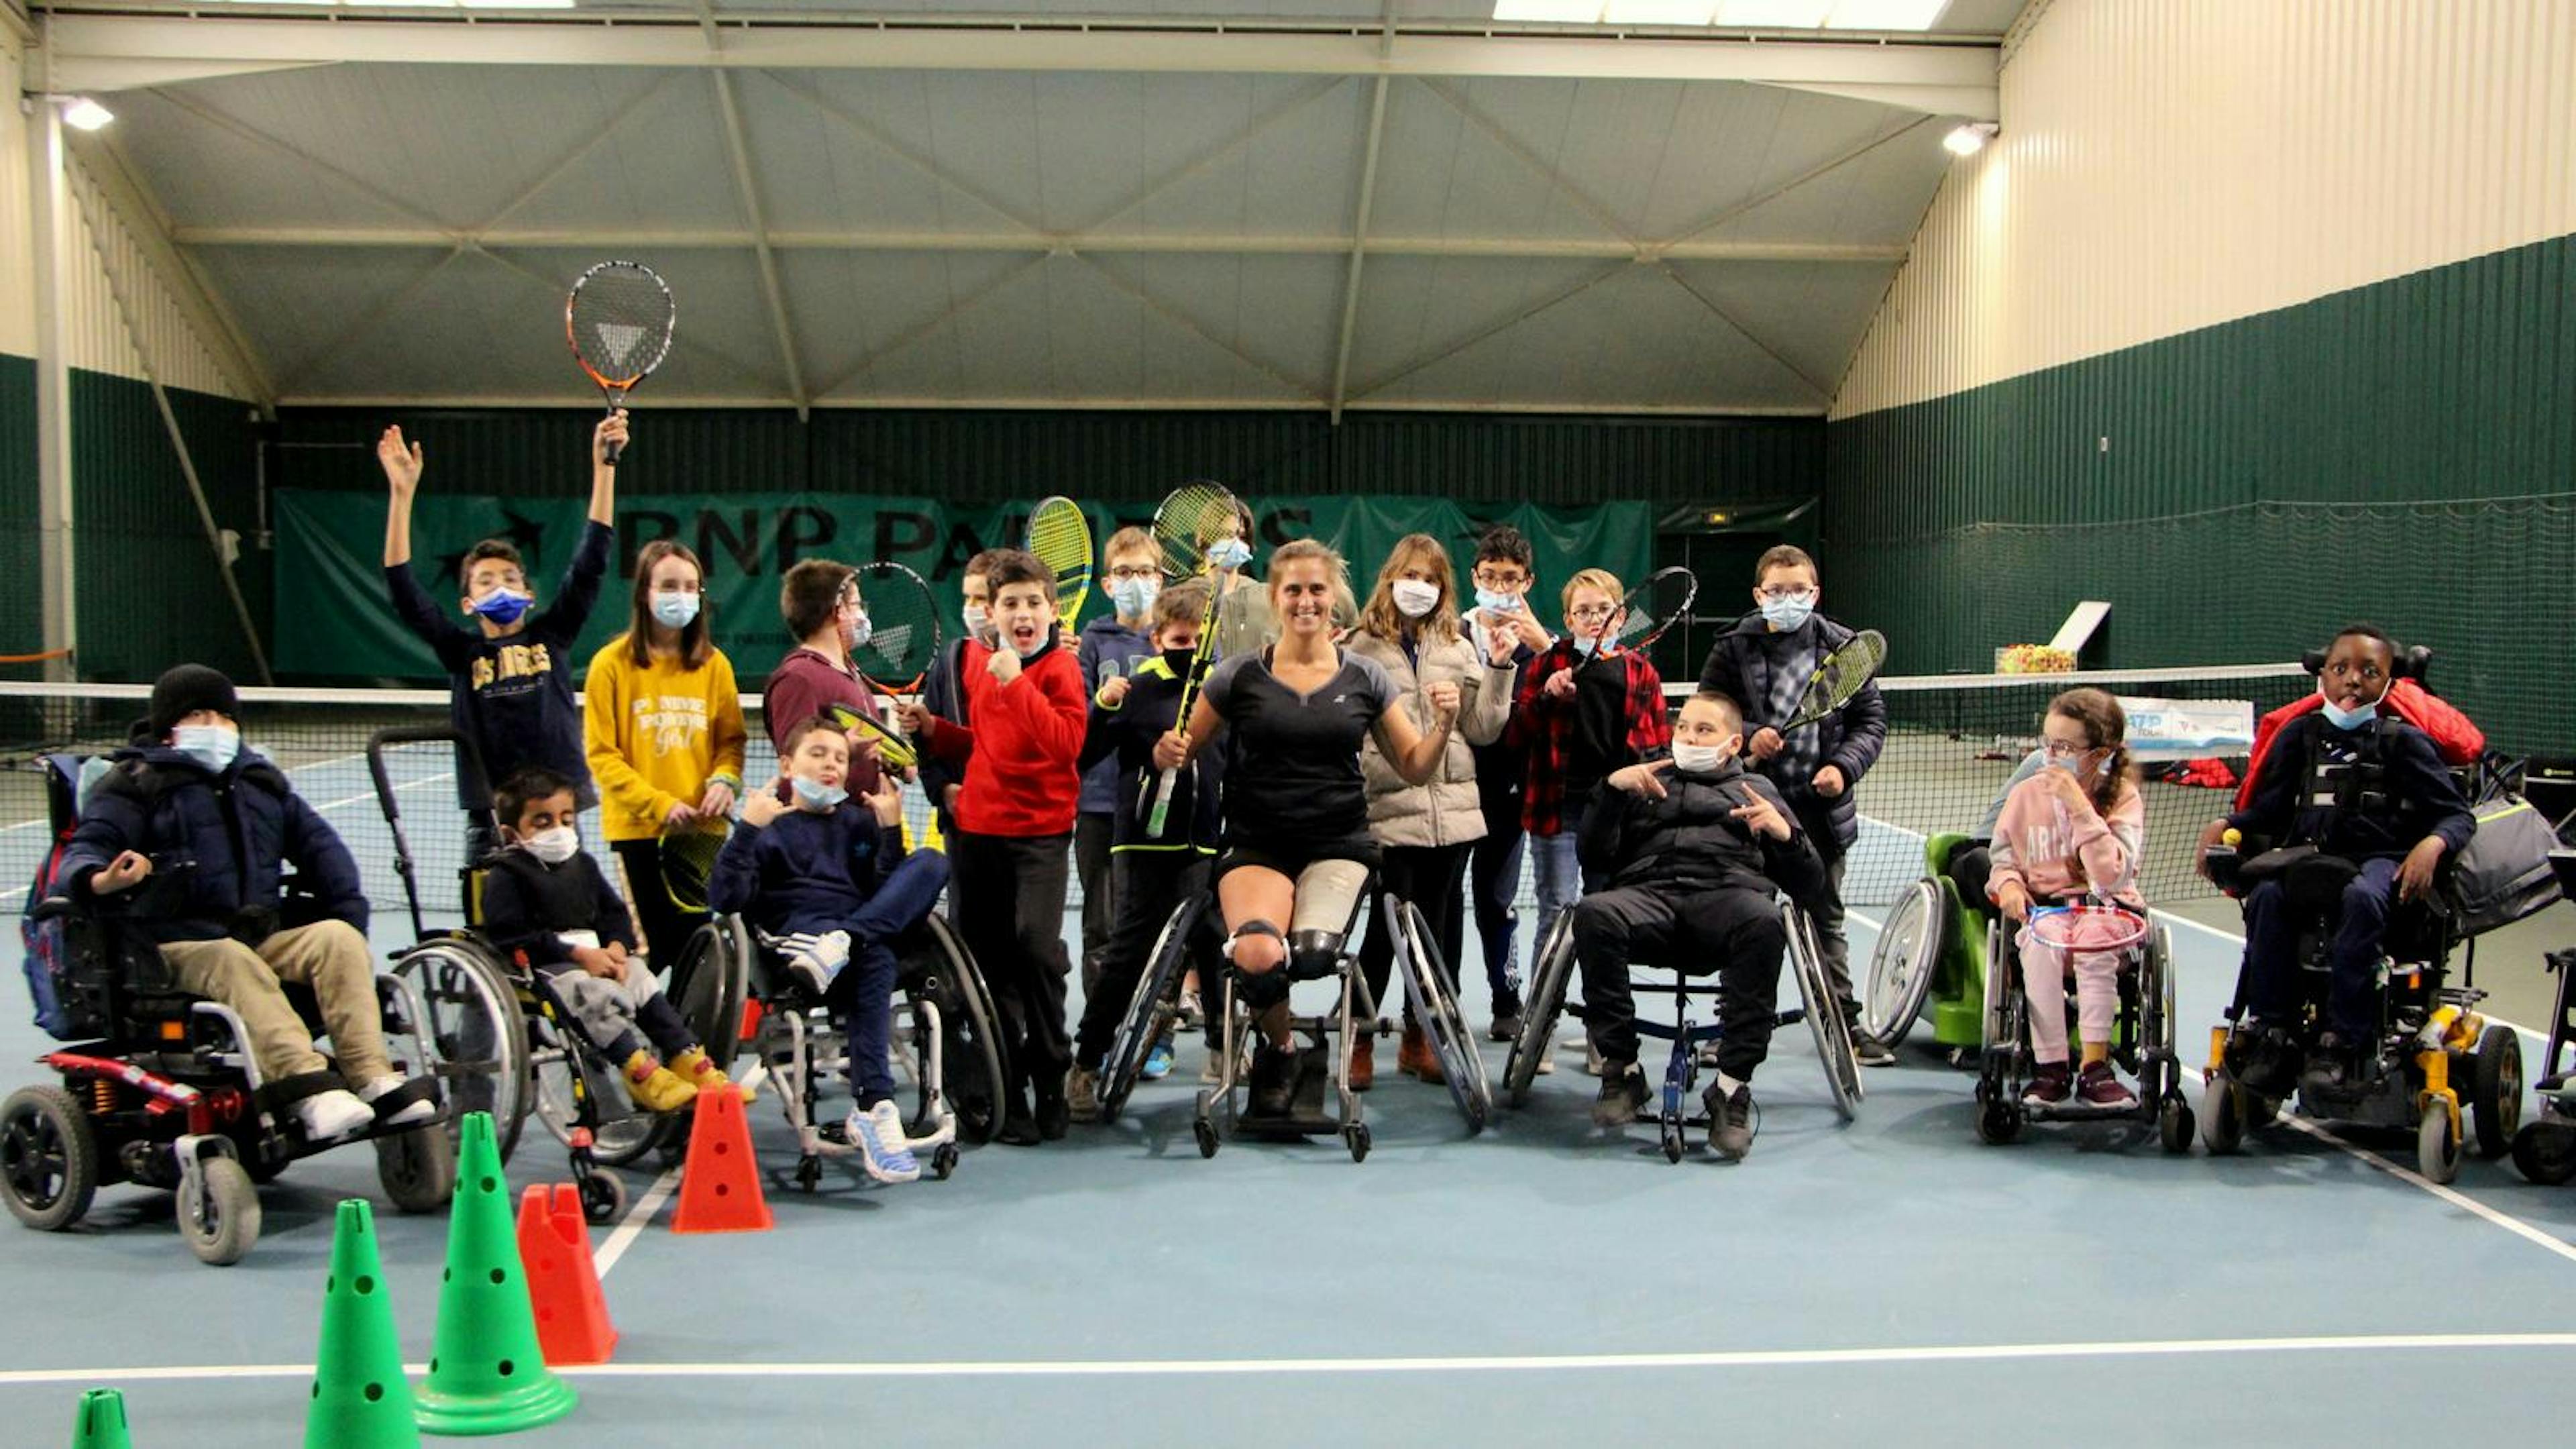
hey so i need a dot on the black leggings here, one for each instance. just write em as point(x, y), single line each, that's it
point(666, 927)
point(1428, 878)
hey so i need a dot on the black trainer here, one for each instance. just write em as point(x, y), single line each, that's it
point(1054, 1114)
point(1867, 1050)
point(1274, 1080)
point(1623, 1093)
point(1730, 1120)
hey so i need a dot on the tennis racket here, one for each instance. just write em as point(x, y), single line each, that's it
point(687, 857)
point(618, 320)
point(1190, 520)
point(1839, 678)
point(1061, 538)
point(2092, 928)
point(1647, 612)
point(903, 639)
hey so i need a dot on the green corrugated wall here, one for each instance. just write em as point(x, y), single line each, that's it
point(2403, 452)
point(22, 619)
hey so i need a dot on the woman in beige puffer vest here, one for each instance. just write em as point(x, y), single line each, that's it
point(1410, 627)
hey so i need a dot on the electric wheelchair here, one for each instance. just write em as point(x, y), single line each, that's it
point(2544, 1150)
point(1552, 976)
point(159, 1087)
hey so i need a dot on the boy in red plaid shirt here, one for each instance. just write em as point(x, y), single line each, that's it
point(1586, 707)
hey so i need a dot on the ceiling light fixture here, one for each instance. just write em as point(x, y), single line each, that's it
point(82, 113)
point(1969, 138)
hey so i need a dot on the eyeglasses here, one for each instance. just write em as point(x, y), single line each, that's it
point(1782, 593)
point(1133, 572)
point(2062, 750)
point(1501, 580)
point(1591, 611)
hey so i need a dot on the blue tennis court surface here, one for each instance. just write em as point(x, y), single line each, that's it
point(1539, 1283)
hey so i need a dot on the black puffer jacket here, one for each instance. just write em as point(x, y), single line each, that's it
point(1691, 840)
point(1739, 666)
point(219, 844)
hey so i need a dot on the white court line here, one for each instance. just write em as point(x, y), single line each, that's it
point(632, 1227)
point(371, 794)
point(1518, 1363)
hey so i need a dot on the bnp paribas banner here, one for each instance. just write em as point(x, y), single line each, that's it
point(334, 620)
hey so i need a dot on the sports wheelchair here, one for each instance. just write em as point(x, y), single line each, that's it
point(1553, 974)
point(2142, 1044)
point(1931, 953)
point(159, 1087)
point(947, 1038)
point(1324, 1062)
point(2430, 1041)
point(2545, 1149)
point(505, 1045)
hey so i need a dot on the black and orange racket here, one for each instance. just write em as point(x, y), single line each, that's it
point(1648, 610)
point(618, 320)
point(903, 639)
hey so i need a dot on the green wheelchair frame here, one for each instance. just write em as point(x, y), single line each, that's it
point(1930, 959)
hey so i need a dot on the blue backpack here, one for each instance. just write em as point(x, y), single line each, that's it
point(60, 1009)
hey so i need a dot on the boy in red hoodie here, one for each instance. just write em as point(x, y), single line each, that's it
point(1015, 816)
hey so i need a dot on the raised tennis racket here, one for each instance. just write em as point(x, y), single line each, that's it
point(618, 320)
point(1060, 536)
point(1839, 678)
point(903, 639)
point(687, 858)
point(1647, 612)
point(1190, 520)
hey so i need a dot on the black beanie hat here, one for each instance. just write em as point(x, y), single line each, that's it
point(184, 689)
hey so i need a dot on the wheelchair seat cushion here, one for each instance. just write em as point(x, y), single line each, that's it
point(2315, 882)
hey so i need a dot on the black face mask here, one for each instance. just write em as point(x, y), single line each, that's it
point(1179, 661)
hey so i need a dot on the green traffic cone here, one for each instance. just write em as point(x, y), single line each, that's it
point(487, 1374)
point(99, 1423)
point(360, 1398)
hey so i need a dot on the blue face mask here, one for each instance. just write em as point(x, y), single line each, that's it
point(212, 746)
point(1229, 553)
point(503, 606)
point(1500, 603)
point(1786, 614)
point(1134, 596)
point(674, 611)
point(815, 795)
point(1585, 645)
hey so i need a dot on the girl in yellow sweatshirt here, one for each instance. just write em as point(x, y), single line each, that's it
point(664, 730)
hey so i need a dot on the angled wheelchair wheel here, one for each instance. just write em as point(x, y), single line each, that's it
point(1549, 977)
point(2544, 1152)
point(1426, 990)
point(973, 1058)
point(218, 1213)
point(1151, 1009)
point(472, 1030)
point(1824, 1016)
point(2222, 1115)
point(417, 1168)
point(709, 984)
point(1902, 966)
point(2437, 1146)
point(48, 1157)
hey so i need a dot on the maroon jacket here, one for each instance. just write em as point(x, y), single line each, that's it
point(805, 684)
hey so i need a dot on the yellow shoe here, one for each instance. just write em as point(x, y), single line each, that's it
point(694, 1067)
point(655, 1087)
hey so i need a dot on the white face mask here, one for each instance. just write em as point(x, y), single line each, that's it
point(212, 746)
point(979, 622)
point(1698, 759)
point(1414, 598)
point(555, 846)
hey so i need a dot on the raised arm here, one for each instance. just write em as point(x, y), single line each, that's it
point(402, 467)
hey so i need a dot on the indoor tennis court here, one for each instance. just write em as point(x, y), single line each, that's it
point(2125, 346)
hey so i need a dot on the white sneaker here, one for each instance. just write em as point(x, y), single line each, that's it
point(411, 1114)
point(331, 1114)
point(821, 959)
point(878, 1134)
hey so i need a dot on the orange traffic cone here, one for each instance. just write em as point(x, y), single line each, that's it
point(720, 1185)
point(563, 1283)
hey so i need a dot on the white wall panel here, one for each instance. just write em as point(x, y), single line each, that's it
point(100, 340)
point(17, 225)
point(2170, 164)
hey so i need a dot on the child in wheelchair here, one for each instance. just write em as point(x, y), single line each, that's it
point(188, 838)
point(2072, 831)
point(548, 907)
point(2347, 784)
point(1693, 850)
point(827, 882)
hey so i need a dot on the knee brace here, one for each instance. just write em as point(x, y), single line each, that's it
point(1255, 927)
point(1314, 954)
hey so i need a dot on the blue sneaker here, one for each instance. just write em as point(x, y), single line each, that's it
point(878, 1133)
point(1158, 1062)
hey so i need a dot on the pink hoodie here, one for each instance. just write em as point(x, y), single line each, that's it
point(2057, 849)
